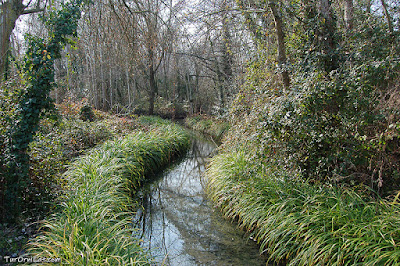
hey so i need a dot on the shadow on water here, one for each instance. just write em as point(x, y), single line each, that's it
point(179, 225)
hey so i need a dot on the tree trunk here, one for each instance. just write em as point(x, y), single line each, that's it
point(349, 14)
point(387, 15)
point(368, 6)
point(103, 85)
point(10, 11)
point(326, 36)
point(227, 57)
point(153, 89)
point(282, 60)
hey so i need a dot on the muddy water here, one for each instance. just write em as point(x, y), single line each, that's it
point(179, 225)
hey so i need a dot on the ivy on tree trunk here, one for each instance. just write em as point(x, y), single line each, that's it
point(39, 71)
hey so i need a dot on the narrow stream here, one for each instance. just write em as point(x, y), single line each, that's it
point(180, 227)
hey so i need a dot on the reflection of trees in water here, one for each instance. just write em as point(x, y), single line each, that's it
point(164, 203)
point(179, 227)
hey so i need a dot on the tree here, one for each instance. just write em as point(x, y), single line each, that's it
point(153, 40)
point(281, 43)
point(11, 10)
point(261, 14)
point(387, 15)
point(348, 14)
point(39, 68)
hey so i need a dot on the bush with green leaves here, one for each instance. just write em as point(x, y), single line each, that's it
point(38, 72)
point(334, 126)
point(54, 145)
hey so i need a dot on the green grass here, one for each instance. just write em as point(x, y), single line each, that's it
point(93, 226)
point(214, 127)
point(151, 120)
point(304, 224)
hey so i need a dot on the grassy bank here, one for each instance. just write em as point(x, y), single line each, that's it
point(304, 224)
point(211, 126)
point(93, 225)
point(60, 138)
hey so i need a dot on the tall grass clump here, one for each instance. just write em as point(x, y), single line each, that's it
point(301, 223)
point(93, 225)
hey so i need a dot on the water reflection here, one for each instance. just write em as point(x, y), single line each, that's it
point(179, 226)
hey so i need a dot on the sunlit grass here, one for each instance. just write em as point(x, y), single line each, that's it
point(301, 223)
point(94, 225)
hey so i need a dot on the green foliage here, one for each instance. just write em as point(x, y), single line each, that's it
point(332, 124)
point(53, 147)
point(304, 168)
point(39, 73)
point(56, 143)
point(151, 120)
point(94, 226)
point(300, 223)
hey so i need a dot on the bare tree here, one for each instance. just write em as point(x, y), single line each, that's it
point(281, 43)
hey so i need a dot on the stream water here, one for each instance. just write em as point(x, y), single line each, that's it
point(179, 225)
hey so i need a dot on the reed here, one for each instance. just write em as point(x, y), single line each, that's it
point(304, 224)
point(93, 225)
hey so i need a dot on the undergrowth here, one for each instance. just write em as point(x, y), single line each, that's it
point(93, 226)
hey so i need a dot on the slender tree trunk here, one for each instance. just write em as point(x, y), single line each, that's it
point(368, 6)
point(349, 14)
point(227, 57)
point(153, 89)
point(128, 86)
point(387, 15)
point(111, 89)
point(103, 87)
point(282, 60)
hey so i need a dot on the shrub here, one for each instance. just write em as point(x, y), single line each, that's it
point(333, 127)
point(86, 113)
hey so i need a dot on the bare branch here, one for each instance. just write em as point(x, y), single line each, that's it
point(32, 11)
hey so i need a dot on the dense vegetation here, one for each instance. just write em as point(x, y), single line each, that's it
point(95, 216)
point(55, 144)
point(337, 122)
point(305, 94)
point(311, 165)
point(33, 102)
point(301, 223)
